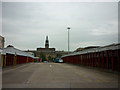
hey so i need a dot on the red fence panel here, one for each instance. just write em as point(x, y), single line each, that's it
point(107, 59)
point(9, 59)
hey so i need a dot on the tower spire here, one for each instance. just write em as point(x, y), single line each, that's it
point(46, 37)
point(47, 42)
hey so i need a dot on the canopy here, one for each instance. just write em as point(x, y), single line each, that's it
point(12, 50)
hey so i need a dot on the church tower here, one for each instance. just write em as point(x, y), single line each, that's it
point(47, 42)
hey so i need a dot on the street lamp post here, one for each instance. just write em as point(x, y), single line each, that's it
point(68, 39)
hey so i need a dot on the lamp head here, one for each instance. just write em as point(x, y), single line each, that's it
point(68, 27)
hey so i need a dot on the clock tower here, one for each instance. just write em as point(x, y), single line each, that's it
point(47, 42)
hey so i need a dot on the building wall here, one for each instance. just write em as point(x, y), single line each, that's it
point(1, 42)
point(46, 49)
point(48, 54)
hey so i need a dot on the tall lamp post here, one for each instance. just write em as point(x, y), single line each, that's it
point(68, 39)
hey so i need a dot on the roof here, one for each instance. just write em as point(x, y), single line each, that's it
point(99, 49)
point(12, 50)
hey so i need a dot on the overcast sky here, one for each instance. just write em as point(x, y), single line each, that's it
point(25, 25)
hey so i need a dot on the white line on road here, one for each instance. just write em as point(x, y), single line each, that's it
point(26, 82)
point(50, 65)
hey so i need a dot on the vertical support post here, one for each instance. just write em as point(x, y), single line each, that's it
point(5, 61)
point(92, 60)
point(75, 59)
point(14, 61)
point(89, 60)
point(2, 61)
point(84, 59)
point(27, 59)
point(95, 59)
point(118, 60)
point(112, 60)
point(80, 59)
point(103, 59)
point(107, 59)
point(98, 59)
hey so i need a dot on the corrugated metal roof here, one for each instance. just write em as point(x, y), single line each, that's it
point(99, 49)
point(12, 50)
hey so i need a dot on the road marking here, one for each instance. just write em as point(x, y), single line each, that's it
point(50, 65)
point(27, 81)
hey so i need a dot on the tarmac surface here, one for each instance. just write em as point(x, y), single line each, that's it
point(57, 75)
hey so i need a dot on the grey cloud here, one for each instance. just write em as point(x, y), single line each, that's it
point(31, 22)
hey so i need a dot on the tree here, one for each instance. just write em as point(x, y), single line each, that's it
point(49, 58)
point(43, 56)
point(58, 55)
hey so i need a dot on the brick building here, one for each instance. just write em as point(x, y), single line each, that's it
point(47, 53)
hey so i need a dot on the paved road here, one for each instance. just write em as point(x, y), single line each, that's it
point(57, 75)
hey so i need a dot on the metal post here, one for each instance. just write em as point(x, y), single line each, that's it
point(68, 38)
point(27, 59)
point(14, 62)
point(118, 60)
point(112, 60)
point(103, 59)
point(99, 59)
point(107, 59)
point(5, 60)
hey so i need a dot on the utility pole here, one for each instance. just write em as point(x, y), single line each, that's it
point(68, 39)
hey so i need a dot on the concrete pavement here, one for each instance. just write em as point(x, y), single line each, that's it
point(57, 75)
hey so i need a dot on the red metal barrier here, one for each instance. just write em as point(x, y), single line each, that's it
point(98, 59)
point(119, 60)
point(21, 59)
point(9, 59)
point(89, 59)
point(112, 60)
point(103, 60)
point(109, 59)
point(93, 59)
